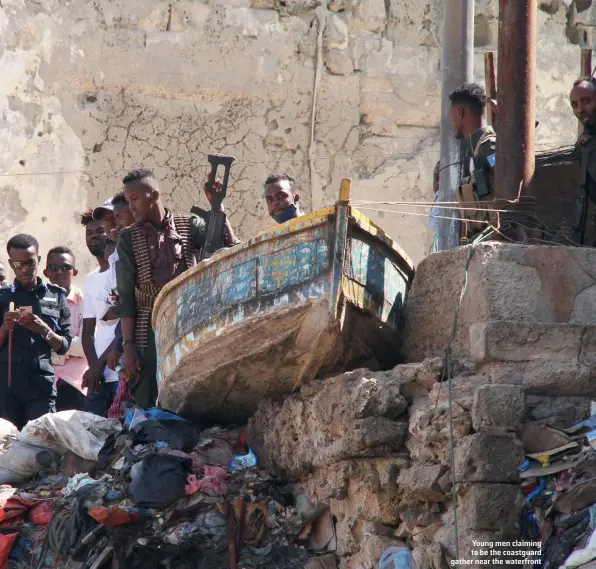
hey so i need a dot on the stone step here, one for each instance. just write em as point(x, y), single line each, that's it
point(509, 341)
point(544, 359)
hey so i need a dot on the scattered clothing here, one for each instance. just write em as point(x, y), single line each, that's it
point(160, 481)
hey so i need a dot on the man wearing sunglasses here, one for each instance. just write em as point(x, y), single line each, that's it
point(40, 324)
point(70, 368)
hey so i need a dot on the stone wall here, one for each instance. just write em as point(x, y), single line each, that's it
point(376, 447)
point(92, 89)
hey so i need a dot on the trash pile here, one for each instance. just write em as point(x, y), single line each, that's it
point(558, 479)
point(79, 491)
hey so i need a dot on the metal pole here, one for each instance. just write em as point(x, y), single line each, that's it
point(457, 66)
point(515, 160)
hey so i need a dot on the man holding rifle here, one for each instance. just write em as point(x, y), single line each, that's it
point(156, 249)
point(466, 111)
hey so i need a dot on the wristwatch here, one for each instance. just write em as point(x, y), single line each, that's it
point(48, 335)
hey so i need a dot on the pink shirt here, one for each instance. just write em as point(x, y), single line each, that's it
point(73, 365)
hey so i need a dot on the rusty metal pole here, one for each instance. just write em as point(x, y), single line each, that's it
point(457, 66)
point(490, 82)
point(515, 161)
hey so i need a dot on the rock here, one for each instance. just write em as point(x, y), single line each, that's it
point(430, 426)
point(422, 514)
point(251, 22)
point(333, 481)
point(352, 415)
point(560, 412)
point(498, 407)
point(371, 15)
point(485, 457)
point(337, 61)
point(511, 341)
point(506, 282)
point(492, 508)
point(297, 6)
point(335, 35)
point(463, 390)
point(421, 482)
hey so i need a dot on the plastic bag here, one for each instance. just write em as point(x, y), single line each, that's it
point(179, 435)
point(80, 432)
point(148, 414)
point(18, 463)
point(160, 480)
point(397, 558)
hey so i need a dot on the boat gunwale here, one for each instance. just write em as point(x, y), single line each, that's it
point(314, 219)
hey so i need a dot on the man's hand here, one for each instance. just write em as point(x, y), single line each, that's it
point(132, 361)
point(11, 319)
point(33, 323)
point(113, 358)
point(93, 378)
point(217, 187)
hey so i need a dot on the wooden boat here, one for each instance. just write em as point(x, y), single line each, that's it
point(320, 294)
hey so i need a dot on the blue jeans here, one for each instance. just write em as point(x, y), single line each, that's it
point(100, 403)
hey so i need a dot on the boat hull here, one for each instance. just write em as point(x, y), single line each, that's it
point(318, 295)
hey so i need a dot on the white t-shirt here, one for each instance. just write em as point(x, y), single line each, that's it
point(96, 304)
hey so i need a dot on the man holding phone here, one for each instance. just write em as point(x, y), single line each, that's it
point(39, 322)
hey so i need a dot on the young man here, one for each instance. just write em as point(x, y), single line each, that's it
point(98, 334)
point(282, 200)
point(105, 214)
point(40, 324)
point(583, 103)
point(123, 218)
point(156, 249)
point(69, 368)
point(467, 119)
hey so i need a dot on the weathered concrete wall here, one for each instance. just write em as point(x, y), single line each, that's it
point(92, 89)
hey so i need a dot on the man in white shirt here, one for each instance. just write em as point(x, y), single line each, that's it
point(98, 335)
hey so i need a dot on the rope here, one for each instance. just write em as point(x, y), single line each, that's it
point(447, 369)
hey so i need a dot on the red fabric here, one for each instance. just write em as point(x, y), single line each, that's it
point(112, 517)
point(6, 543)
point(15, 508)
point(42, 513)
point(116, 410)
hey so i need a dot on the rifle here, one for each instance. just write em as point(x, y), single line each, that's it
point(480, 181)
point(580, 213)
point(216, 219)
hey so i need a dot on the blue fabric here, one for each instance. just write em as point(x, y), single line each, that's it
point(289, 213)
point(100, 403)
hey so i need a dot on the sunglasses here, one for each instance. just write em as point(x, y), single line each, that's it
point(18, 265)
point(55, 267)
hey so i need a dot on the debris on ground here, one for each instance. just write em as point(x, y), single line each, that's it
point(159, 493)
point(558, 479)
